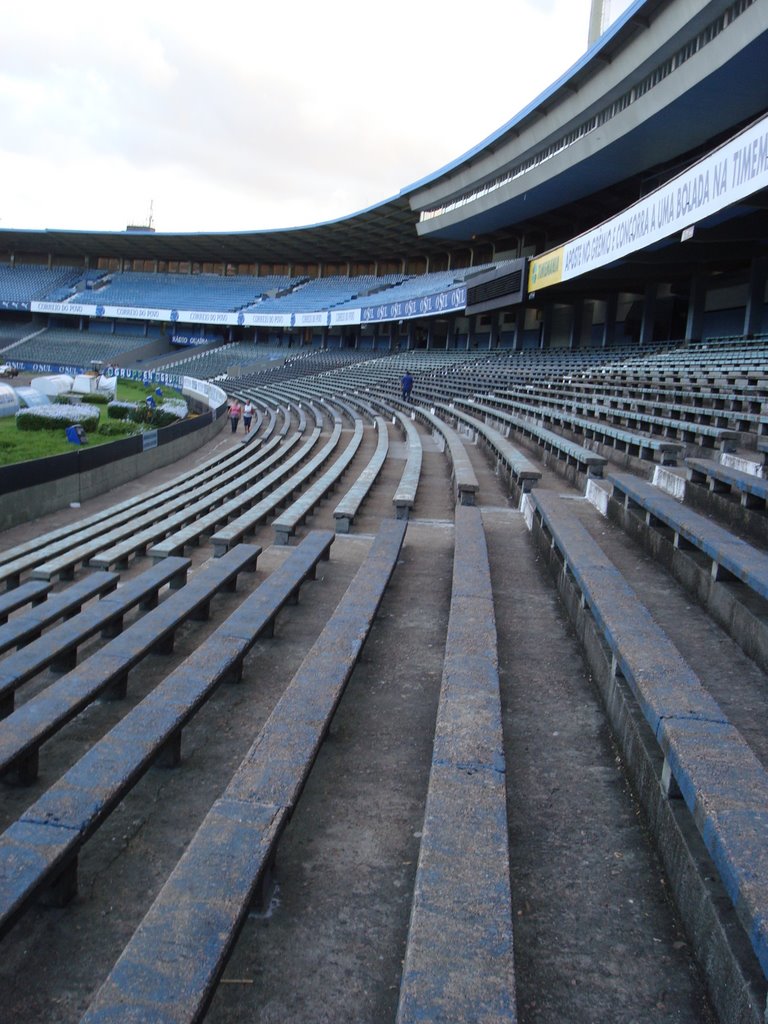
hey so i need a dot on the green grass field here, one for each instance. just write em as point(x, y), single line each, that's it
point(22, 445)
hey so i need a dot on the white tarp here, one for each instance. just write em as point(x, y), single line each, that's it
point(59, 384)
point(31, 396)
point(85, 383)
point(9, 400)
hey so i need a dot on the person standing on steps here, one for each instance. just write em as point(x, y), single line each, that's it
point(407, 383)
point(234, 415)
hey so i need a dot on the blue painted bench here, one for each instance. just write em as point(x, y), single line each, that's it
point(706, 760)
point(33, 592)
point(728, 575)
point(57, 648)
point(215, 493)
point(729, 556)
point(245, 523)
point(105, 672)
point(31, 554)
point(405, 495)
point(751, 490)
point(521, 472)
point(219, 514)
point(348, 507)
point(171, 966)
point(285, 524)
point(39, 852)
point(463, 475)
point(629, 431)
point(576, 456)
point(28, 626)
point(459, 962)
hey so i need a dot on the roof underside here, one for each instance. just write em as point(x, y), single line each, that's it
point(580, 197)
point(384, 232)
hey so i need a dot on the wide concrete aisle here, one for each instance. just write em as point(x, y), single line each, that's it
point(596, 937)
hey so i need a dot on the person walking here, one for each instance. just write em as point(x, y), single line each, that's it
point(234, 415)
point(248, 411)
point(407, 383)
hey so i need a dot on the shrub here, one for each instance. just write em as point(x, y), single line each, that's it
point(116, 428)
point(121, 410)
point(165, 413)
point(176, 407)
point(96, 398)
point(56, 417)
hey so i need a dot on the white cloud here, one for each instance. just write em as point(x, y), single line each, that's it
point(240, 116)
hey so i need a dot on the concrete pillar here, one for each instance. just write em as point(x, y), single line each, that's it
point(577, 317)
point(753, 315)
point(695, 319)
point(649, 314)
point(545, 326)
point(517, 335)
point(493, 332)
point(609, 327)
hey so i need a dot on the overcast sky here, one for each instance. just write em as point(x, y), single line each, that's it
point(233, 116)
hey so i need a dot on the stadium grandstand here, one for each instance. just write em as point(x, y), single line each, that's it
point(440, 705)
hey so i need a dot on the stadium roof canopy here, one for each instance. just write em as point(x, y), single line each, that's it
point(667, 81)
point(386, 231)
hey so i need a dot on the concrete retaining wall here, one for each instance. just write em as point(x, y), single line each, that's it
point(22, 505)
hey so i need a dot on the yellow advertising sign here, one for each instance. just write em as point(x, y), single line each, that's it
point(545, 270)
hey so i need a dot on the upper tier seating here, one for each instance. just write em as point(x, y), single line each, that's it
point(182, 291)
point(71, 348)
point(25, 282)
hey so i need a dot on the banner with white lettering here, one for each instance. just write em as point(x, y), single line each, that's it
point(340, 317)
point(266, 319)
point(428, 305)
point(727, 175)
point(408, 309)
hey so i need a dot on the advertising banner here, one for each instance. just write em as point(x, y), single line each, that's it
point(408, 309)
point(545, 270)
point(727, 175)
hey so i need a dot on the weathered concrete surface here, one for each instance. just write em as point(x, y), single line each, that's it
point(596, 939)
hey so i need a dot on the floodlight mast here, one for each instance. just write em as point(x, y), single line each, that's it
point(596, 19)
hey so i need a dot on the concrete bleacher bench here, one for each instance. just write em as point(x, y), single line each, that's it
point(459, 962)
point(671, 531)
point(33, 592)
point(751, 490)
point(207, 523)
point(245, 523)
point(106, 671)
point(171, 966)
point(62, 566)
point(57, 648)
point(179, 514)
point(644, 446)
point(285, 524)
point(574, 456)
point(28, 626)
point(621, 439)
point(348, 507)
point(132, 533)
point(25, 557)
point(39, 851)
point(463, 476)
point(728, 555)
point(521, 472)
point(405, 495)
point(706, 761)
